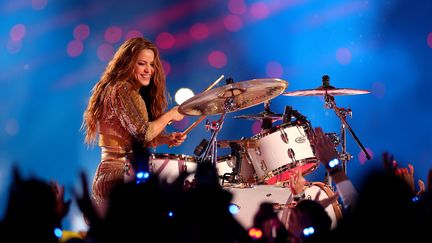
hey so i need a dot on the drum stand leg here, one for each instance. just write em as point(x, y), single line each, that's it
point(215, 127)
point(342, 113)
point(211, 149)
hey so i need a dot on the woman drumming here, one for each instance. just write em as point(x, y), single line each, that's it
point(126, 113)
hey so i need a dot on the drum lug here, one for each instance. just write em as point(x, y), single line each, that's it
point(284, 137)
point(263, 165)
point(345, 156)
point(258, 151)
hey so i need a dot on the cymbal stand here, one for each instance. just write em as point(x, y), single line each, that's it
point(342, 113)
point(215, 127)
point(210, 150)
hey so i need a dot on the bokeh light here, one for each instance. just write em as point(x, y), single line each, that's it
point(274, 69)
point(217, 59)
point(233, 23)
point(343, 55)
point(105, 52)
point(199, 31)
point(259, 10)
point(429, 40)
point(237, 6)
point(165, 40)
point(75, 48)
point(17, 32)
point(113, 34)
point(81, 32)
point(133, 34)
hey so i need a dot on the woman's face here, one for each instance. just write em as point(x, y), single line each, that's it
point(144, 67)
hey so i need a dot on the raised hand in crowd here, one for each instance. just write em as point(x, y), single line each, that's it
point(405, 174)
point(328, 157)
point(62, 206)
point(297, 182)
point(85, 203)
point(30, 214)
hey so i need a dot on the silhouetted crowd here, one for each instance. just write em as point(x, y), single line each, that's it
point(387, 208)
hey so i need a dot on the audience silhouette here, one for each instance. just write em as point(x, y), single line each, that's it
point(385, 207)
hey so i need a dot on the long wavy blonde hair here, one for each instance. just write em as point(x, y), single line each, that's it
point(121, 68)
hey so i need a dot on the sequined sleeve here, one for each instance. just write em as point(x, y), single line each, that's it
point(131, 111)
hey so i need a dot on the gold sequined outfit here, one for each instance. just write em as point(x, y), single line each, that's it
point(124, 120)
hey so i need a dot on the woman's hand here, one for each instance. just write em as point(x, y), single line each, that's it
point(176, 139)
point(175, 115)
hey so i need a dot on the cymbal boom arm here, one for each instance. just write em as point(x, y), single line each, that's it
point(342, 113)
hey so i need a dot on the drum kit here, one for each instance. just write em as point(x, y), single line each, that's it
point(259, 167)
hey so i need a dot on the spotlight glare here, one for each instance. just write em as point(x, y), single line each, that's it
point(308, 231)
point(182, 95)
point(255, 233)
point(140, 175)
point(58, 232)
point(334, 162)
point(233, 208)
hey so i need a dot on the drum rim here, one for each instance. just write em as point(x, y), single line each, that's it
point(272, 130)
point(173, 156)
point(337, 207)
point(290, 166)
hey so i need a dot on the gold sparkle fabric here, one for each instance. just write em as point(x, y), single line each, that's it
point(124, 120)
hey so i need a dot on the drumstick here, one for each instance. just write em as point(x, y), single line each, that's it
point(204, 116)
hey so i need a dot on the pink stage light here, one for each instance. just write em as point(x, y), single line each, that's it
point(274, 69)
point(133, 34)
point(259, 10)
point(113, 34)
point(237, 6)
point(105, 52)
point(217, 59)
point(343, 55)
point(199, 31)
point(165, 40)
point(233, 23)
point(17, 32)
point(75, 48)
point(81, 32)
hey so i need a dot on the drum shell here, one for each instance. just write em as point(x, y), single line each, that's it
point(169, 166)
point(249, 200)
point(280, 151)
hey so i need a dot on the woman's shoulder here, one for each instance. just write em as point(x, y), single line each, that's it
point(122, 85)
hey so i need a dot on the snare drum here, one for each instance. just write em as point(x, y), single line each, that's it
point(226, 164)
point(280, 151)
point(169, 166)
point(249, 199)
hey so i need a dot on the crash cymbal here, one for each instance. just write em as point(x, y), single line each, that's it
point(245, 143)
point(233, 97)
point(330, 90)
